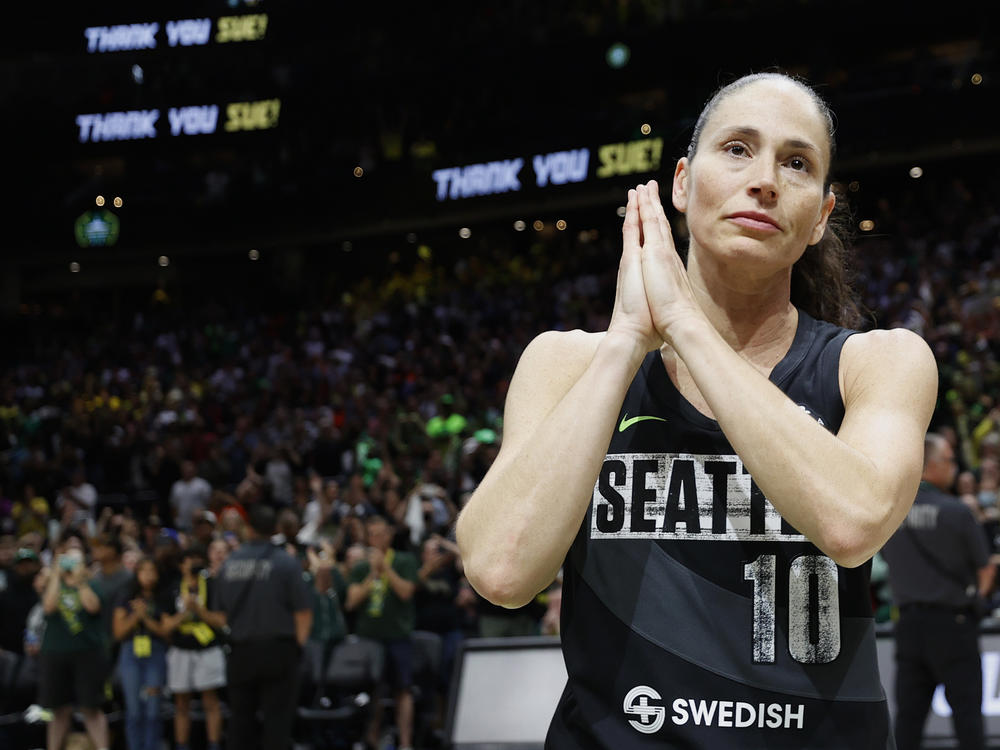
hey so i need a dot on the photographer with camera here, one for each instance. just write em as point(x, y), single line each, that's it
point(73, 655)
point(195, 660)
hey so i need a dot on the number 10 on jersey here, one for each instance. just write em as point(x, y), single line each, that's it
point(813, 608)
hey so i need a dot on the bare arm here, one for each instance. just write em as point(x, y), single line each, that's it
point(357, 593)
point(90, 600)
point(846, 492)
point(160, 627)
point(303, 624)
point(123, 622)
point(985, 577)
point(50, 599)
point(404, 589)
point(561, 408)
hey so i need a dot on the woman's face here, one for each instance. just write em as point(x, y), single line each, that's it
point(754, 190)
point(218, 551)
point(146, 574)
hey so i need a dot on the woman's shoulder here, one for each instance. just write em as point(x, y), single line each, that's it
point(896, 357)
point(889, 344)
point(564, 349)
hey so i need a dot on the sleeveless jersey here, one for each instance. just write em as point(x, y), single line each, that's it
point(693, 615)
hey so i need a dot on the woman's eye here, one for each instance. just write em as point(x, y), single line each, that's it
point(799, 165)
point(736, 149)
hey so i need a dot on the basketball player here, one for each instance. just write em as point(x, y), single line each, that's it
point(715, 470)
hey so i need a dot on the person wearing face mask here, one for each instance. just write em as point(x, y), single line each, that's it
point(73, 655)
point(714, 472)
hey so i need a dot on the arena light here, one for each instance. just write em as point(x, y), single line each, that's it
point(164, 261)
point(560, 225)
point(618, 55)
point(646, 129)
point(916, 173)
point(976, 79)
point(538, 225)
point(99, 200)
point(866, 225)
point(411, 238)
point(621, 211)
point(465, 233)
point(347, 246)
point(359, 172)
point(74, 267)
point(254, 254)
point(519, 226)
point(854, 186)
point(118, 202)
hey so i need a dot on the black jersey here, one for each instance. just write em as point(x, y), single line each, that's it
point(693, 615)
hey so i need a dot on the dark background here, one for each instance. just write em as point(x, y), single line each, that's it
point(402, 89)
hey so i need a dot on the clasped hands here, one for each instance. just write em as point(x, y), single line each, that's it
point(653, 292)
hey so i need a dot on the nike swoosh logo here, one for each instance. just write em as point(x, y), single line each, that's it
point(626, 422)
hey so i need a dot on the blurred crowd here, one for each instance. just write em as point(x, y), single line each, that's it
point(151, 434)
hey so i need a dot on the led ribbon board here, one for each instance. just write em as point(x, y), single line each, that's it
point(555, 168)
point(184, 32)
point(134, 125)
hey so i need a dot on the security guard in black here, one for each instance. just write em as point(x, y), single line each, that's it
point(938, 570)
point(268, 609)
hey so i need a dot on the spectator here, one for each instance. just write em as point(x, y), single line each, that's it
point(215, 469)
point(381, 590)
point(110, 580)
point(18, 599)
point(8, 550)
point(437, 599)
point(73, 654)
point(195, 661)
point(319, 511)
point(77, 501)
point(278, 472)
point(188, 495)
point(204, 525)
point(30, 514)
point(218, 551)
point(329, 590)
point(142, 625)
point(355, 501)
point(34, 630)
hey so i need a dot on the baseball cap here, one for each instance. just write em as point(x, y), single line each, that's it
point(206, 515)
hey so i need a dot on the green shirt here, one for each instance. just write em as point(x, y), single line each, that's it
point(328, 617)
point(71, 627)
point(384, 616)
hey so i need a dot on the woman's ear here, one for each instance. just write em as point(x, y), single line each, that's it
point(679, 191)
point(828, 203)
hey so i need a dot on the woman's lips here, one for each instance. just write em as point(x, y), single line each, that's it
point(757, 222)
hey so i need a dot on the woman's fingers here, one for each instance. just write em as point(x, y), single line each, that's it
point(630, 228)
point(652, 217)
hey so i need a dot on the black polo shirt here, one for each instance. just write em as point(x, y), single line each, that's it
point(275, 589)
point(936, 553)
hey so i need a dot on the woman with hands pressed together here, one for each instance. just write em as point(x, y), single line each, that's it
point(142, 624)
point(715, 470)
